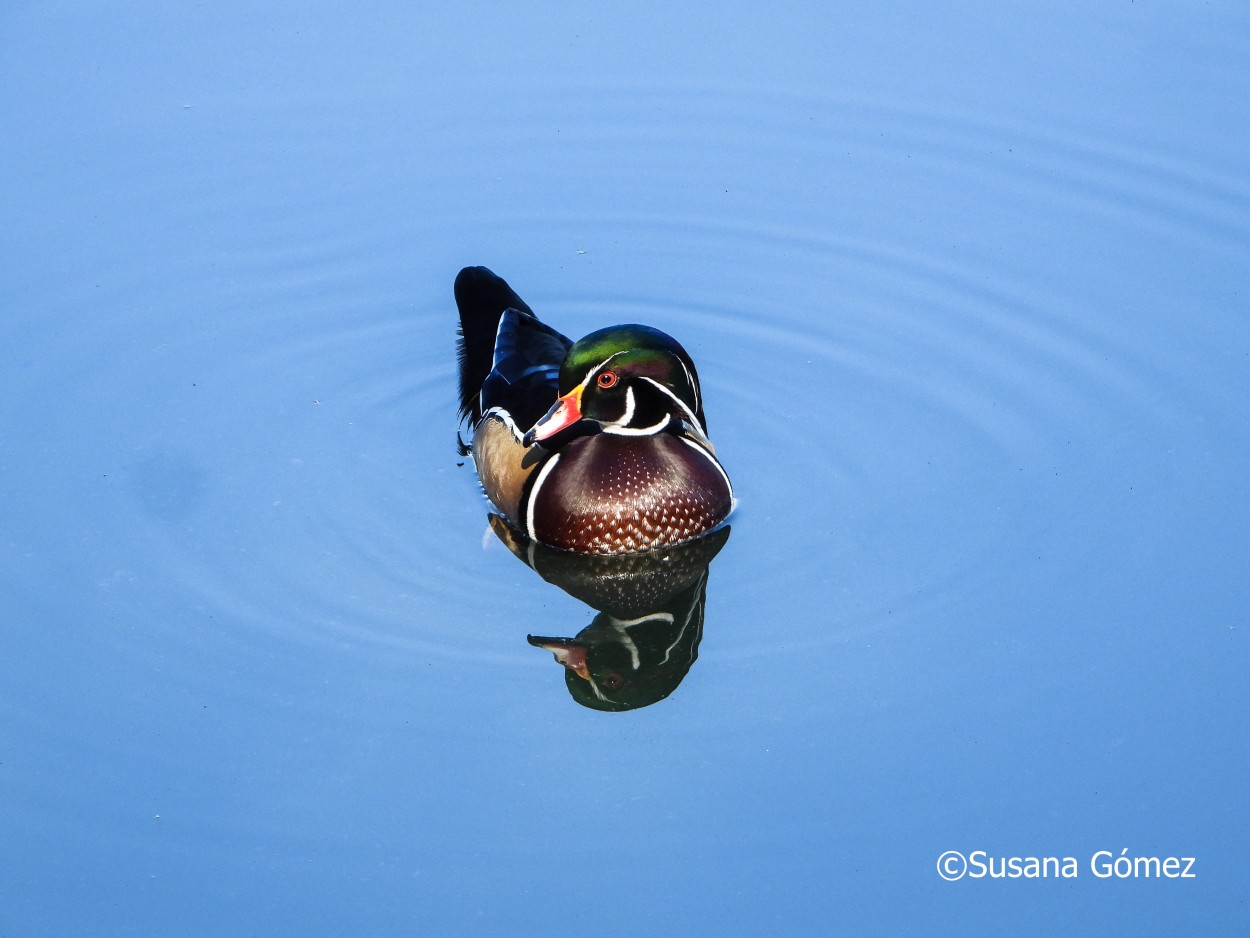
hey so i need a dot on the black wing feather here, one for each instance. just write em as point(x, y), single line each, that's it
point(517, 374)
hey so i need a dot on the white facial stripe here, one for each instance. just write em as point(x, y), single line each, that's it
point(619, 426)
point(538, 484)
point(629, 409)
point(694, 385)
point(665, 617)
point(635, 659)
point(680, 403)
point(685, 624)
point(590, 374)
point(639, 431)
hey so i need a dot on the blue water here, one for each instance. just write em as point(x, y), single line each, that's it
point(967, 289)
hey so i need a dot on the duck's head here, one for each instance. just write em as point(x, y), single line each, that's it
point(630, 380)
point(616, 664)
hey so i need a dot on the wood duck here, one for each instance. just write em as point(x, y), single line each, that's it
point(624, 664)
point(598, 446)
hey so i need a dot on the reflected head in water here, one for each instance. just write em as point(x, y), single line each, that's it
point(646, 636)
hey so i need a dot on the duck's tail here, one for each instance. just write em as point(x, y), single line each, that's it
point(482, 297)
point(484, 352)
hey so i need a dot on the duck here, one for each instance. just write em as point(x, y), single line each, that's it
point(649, 616)
point(597, 446)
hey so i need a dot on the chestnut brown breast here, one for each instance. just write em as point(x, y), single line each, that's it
point(610, 494)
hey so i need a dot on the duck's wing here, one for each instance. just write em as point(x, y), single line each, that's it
point(525, 371)
point(508, 359)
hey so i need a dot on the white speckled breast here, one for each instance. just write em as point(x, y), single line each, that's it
point(611, 494)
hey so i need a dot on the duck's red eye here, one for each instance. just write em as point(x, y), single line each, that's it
point(607, 379)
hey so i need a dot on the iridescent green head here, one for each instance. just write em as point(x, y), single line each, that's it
point(630, 380)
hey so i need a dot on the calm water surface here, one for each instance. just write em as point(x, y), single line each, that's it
point(967, 289)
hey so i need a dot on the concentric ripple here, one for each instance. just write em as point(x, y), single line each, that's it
point(908, 325)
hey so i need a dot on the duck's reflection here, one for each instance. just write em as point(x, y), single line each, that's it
point(646, 636)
